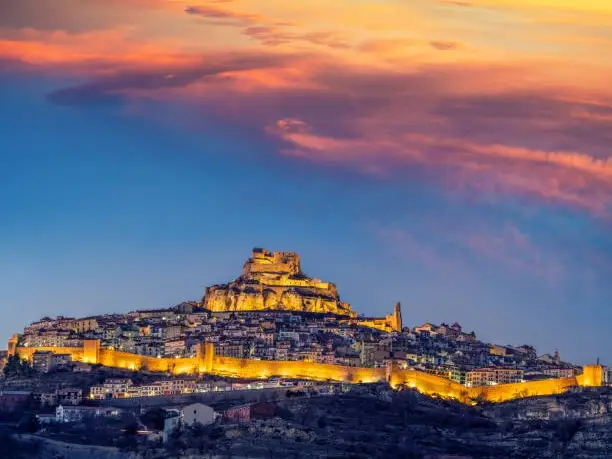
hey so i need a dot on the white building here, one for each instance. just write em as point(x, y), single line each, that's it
point(198, 413)
point(77, 413)
point(607, 376)
point(47, 338)
point(151, 390)
point(112, 388)
point(559, 372)
point(177, 386)
point(492, 376)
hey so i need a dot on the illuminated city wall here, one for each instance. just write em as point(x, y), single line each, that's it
point(429, 384)
point(259, 369)
point(207, 362)
point(26, 352)
point(436, 385)
point(503, 392)
point(118, 359)
point(592, 376)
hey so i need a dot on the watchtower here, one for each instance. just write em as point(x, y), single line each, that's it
point(592, 376)
point(205, 353)
point(91, 351)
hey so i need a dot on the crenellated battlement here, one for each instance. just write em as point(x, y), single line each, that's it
point(264, 261)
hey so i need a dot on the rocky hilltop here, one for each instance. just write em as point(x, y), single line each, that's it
point(275, 281)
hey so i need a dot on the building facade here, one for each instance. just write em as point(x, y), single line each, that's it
point(493, 376)
point(197, 413)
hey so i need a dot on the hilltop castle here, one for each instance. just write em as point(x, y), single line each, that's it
point(275, 281)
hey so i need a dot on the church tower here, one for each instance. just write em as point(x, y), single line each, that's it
point(12, 345)
point(397, 317)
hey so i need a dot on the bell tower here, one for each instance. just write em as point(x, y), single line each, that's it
point(397, 317)
point(12, 345)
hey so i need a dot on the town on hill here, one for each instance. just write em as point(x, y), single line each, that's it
point(272, 333)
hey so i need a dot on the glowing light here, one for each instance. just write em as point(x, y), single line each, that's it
point(258, 369)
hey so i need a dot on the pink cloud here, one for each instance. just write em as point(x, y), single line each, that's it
point(504, 246)
point(572, 178)
point(407, 245)
point(346, 93)
point(512, 248)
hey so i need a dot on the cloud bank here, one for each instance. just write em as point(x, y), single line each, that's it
point(520, 112)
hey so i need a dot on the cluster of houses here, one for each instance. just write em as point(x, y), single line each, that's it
point(124, 387)
point(444, 349)
point(174, 417)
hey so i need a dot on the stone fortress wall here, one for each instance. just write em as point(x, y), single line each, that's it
point(207, 362)
point(275, 281)
point(313, 284)
point(263, 260)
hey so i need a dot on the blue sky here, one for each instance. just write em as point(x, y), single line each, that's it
point(460, 165)
point(104, 212)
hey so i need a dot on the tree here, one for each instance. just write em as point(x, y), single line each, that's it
point(284, 413)
point(18, 368)
point(128, 441)
point(176, 444)
point(565, 430)
point(198, 429)
point(199, 438)
point(29, 423)
point(154, 418)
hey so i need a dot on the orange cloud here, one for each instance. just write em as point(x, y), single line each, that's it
point(377, 87)
point(586, 6)
point(91, 49)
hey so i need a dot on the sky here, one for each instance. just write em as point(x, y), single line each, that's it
point(451, 155)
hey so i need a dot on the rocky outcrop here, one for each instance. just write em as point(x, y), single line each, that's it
point(578, 404)
point(372, 421)
point(275, 281)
